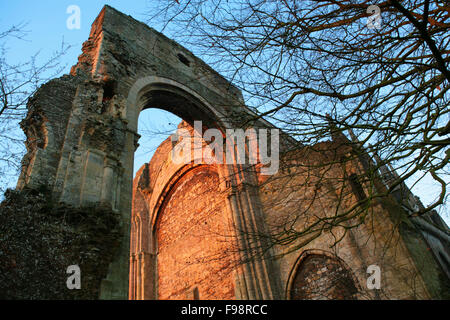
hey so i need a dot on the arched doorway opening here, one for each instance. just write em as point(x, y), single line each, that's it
point(181, 244)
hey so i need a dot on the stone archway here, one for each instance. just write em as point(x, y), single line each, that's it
point(182, 240)
point(82, 134)
point(126, 67)
point(318, 275)
point(190, 241)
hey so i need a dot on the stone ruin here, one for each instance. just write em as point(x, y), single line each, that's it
point(193, 231)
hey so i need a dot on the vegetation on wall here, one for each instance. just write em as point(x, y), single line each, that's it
point(40, 239)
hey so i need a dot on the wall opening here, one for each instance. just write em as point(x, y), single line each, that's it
point(180, 228)
point(183, 59)
point(321, 277)
point(154, 126)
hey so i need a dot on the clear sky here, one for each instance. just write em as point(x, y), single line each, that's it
point(47, 25)
point(47, 22)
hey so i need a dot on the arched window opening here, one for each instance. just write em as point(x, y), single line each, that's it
point(320, 277)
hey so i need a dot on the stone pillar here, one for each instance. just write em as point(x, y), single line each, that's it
point(256, 277)
point(147, 268)
point(108, 184)
point(132, 292)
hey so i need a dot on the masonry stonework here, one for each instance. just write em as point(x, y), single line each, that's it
point(195, 250)
point(205, 231)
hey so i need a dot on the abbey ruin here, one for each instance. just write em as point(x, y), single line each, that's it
point(203, 230)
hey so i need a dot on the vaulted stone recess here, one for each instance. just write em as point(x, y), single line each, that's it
point(195, 230)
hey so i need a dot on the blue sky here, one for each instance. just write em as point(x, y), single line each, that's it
point(47, 25)
point(47, 22)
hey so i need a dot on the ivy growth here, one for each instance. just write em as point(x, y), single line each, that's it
point(39, 239)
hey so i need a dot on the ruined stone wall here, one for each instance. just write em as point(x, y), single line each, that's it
point(331, 264)
point(82, 128)
point(305, 191)
point(82, 134)
point(193, 240)
point(45, 128)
